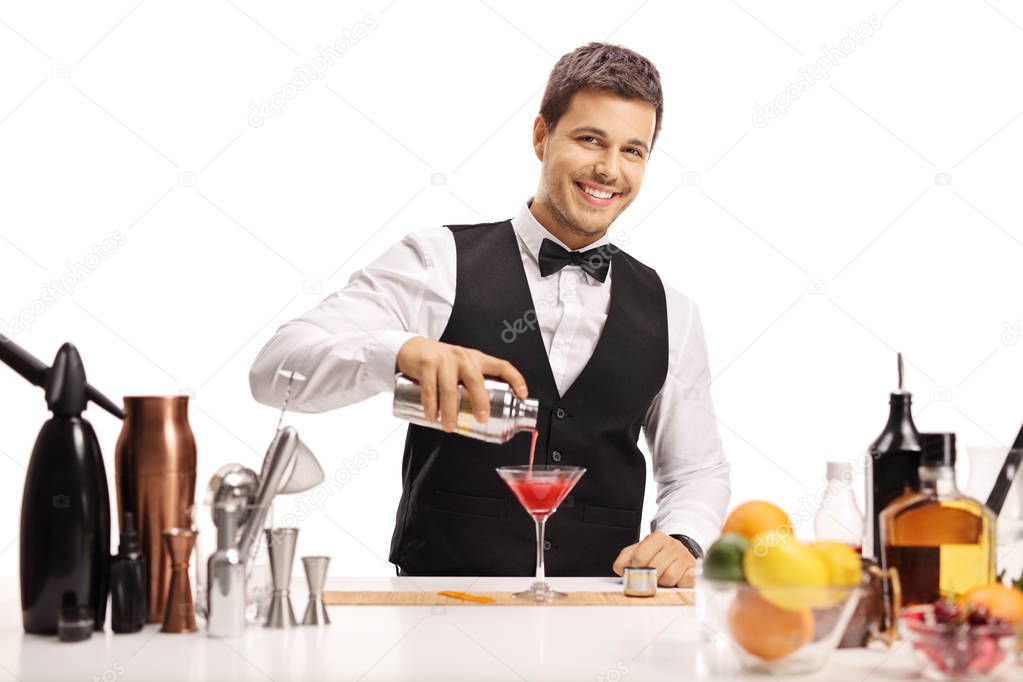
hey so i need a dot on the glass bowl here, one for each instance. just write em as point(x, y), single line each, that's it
point(946, 651)
point(778, 630)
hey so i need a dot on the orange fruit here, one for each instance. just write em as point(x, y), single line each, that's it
point(752, 518)
point(764, 630)
point(1001, 601)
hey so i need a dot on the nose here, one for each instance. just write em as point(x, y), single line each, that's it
point(606, 167)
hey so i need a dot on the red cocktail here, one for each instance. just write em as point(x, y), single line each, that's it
point(540, 496)
point(540, 489)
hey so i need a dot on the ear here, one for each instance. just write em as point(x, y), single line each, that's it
point(539, 136)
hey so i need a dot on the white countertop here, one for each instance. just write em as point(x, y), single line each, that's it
point(606, 643)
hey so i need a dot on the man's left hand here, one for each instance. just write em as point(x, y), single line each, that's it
point(676, 567)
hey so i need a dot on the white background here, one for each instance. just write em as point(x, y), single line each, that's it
point(816, 245)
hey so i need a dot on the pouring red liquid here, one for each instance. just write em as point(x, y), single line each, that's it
point(532, 449)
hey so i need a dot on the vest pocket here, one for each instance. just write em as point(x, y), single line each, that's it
point(473, 505)
point(609, 516)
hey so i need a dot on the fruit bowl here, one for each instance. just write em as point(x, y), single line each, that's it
point(776, 630)
point(958, 646)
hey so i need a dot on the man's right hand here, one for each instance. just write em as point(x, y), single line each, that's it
point(439, 367)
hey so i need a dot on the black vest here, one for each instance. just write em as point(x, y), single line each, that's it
point(456, 515)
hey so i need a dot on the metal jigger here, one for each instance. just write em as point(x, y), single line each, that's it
point(315, 577)
point(281, 543)
point(179, 613)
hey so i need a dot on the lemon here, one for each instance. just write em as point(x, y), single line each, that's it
point(844, 564)
point(844, 568)
point(777, 560)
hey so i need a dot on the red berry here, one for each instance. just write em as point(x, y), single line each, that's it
point(946, 612)
point(979, 615)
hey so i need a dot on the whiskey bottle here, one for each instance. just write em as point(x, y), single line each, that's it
point(941, 542)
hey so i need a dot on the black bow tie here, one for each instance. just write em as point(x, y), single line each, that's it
point(595, 262)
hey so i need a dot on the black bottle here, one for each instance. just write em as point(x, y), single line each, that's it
point(65, 510)
point(892, 464)
point(128, 598)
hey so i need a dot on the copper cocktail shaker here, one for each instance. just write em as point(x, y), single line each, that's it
point(155, 470)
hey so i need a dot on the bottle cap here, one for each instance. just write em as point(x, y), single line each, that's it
point(129, 537)
point(840, 471)
point(938, 449)
point(74, 623)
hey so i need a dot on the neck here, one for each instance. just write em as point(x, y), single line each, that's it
point(571, 236)
point(938, 479)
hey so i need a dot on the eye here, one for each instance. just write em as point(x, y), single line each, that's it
point(633, 150)
point(587, 138)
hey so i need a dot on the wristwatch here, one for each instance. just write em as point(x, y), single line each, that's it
point(691, 545)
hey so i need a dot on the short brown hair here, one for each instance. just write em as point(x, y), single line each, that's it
point(601, 66)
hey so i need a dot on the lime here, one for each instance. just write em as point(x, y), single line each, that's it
point(723, 560)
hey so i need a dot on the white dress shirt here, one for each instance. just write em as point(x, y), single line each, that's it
point(347, 345)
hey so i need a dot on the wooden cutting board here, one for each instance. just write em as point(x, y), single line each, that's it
point(365, 598)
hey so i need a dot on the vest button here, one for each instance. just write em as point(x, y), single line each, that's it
point(546, 544)
point(559, 413)
point(556, 456)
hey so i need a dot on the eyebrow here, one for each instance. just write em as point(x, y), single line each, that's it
point(602, 133)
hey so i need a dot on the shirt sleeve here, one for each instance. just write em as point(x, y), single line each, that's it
point(347, 345)
point(690, 470)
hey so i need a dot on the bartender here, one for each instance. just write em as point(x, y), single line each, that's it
point(545, 302)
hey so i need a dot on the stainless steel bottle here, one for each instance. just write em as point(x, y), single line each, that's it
point(226, 591)
point(508, 414)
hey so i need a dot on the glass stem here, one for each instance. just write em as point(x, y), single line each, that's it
point(540, 524)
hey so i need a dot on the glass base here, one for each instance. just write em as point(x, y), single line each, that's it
point(541, 592)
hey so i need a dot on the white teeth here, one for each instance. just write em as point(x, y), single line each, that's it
point(596, 193)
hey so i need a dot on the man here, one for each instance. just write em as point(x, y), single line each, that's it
point(597, 338)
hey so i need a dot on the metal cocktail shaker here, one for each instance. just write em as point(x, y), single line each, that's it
point(508, 414)
point(155, 471)
point(226, 591)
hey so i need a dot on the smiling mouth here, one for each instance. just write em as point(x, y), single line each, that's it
point(595, 196)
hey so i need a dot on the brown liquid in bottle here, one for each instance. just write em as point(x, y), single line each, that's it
point(941, 542)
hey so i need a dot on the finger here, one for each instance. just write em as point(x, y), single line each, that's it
point(647, 550)
point(688, 578)
point(497, 367)
point(672, 573)
point(623, 560)
point(428, 392)
point(447, 390)
point(479, 397)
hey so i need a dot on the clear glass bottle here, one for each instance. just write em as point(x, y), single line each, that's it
point(941, 542)
point(839, 518)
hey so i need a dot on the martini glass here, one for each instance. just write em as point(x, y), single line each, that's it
point(540, 489)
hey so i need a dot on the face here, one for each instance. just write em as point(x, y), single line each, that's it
point(599, 146)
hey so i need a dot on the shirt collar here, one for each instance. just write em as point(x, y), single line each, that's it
point(532, 234)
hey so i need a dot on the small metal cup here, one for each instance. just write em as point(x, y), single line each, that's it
point(640, 581)
point(315, 577)
point(281, 542)
point(179, 614)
